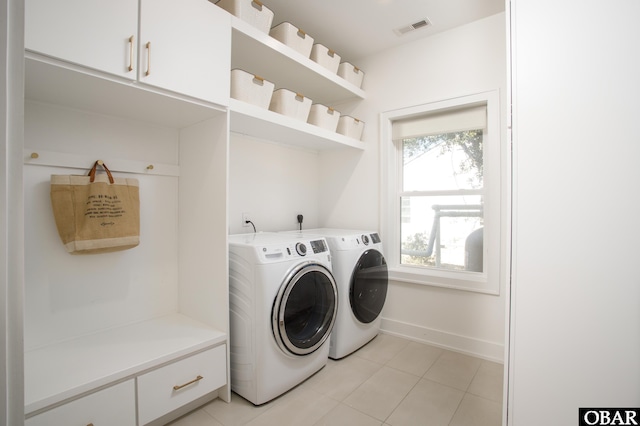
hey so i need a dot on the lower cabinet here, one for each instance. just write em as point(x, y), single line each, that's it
point(115, 405)
point(159, 392)
point(170, 387)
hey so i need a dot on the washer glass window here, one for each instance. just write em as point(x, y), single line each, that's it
point(305, 309)
point(368, 289)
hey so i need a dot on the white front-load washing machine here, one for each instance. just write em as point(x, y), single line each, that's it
point(361, 273)
point(283, 303)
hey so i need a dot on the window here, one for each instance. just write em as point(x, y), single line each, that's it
point(441, 201)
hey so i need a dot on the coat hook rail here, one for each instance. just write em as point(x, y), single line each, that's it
point(84, 162)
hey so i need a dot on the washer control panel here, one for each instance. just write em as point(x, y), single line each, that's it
point(301, 249)
point(277, 252)
point(319, 246)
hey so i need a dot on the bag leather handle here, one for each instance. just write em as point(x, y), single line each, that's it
point(92, 172)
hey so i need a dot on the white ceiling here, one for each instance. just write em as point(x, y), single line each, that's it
point(358, 28)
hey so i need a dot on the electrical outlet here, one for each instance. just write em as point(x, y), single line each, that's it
point(246, 217)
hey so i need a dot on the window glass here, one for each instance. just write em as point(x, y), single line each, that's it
point(442, 203)
point(443, 162)
point(438, 228)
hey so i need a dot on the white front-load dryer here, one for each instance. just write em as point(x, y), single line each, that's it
point(361, 273)
point(283, 303)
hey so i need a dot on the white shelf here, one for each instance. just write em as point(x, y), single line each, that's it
point(71, 368)
point(261, 54)
point(55, 82)
point(262, 123)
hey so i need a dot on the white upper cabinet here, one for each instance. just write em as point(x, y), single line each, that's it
point(94, 33)
point(185, 46)
point(181, 46)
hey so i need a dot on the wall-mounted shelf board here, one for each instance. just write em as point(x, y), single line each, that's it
point(262, 123)
point(258, 53)
point(68, 369)
point(50, 81)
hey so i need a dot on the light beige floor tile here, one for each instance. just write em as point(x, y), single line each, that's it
point(370, 389)
point(299, 408)
point(343, 415)
point(382, 393)
point(476, 411)
point(382, 348)
point(235, 413)
point(196, 418)
point(415, 358)
point(340, 378)
point(454, 369)
point(488, 381)
point(320, 375)
point(428, 403)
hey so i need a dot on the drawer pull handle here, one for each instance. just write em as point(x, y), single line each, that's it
point(197, 379)
point(148, 59)
point(130, 67)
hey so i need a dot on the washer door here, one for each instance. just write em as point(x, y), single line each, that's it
point(305, 309)
point(368, 289)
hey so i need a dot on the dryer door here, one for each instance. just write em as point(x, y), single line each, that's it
point(305, 309)
point(368, 289)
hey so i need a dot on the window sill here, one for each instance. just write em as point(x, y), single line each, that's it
point(465, 281)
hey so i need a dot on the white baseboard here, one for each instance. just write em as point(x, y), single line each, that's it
point(475, 347)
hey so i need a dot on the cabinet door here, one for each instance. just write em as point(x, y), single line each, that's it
point(185, 47)
point(92, 33)
point(115, 405)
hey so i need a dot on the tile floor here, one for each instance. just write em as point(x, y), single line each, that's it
point(390, 381)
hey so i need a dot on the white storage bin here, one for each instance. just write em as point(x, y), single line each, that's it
point(324, 116)
point(351, 127)
point(250, 11)
point(291, 104)
point(352, 74)
point(251, 88)
point(293, 37)
point(325, 57)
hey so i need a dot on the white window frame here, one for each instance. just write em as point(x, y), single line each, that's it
point(391, 158)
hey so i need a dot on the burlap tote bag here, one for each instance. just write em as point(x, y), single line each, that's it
point(96, 213)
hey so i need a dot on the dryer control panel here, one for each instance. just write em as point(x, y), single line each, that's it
point(319, 246)
point(289, 250)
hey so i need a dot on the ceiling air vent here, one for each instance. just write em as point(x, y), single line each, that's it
point(407, 29)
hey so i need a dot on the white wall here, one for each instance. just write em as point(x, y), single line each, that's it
point(273, 183)
point(463, 61)
point(575, 339)
point(64, 296)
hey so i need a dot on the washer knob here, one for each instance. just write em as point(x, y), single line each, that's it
point(301, 249)
point(365, 239)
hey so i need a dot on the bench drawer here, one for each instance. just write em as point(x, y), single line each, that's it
point(115, 405)
point(174, 385)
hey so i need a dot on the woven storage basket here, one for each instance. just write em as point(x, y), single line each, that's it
point(251, 88)
point(324, 116)
point(293, 37)
point(325, 57)
point(351, 127)
point(251, 11)
point(291, 104)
